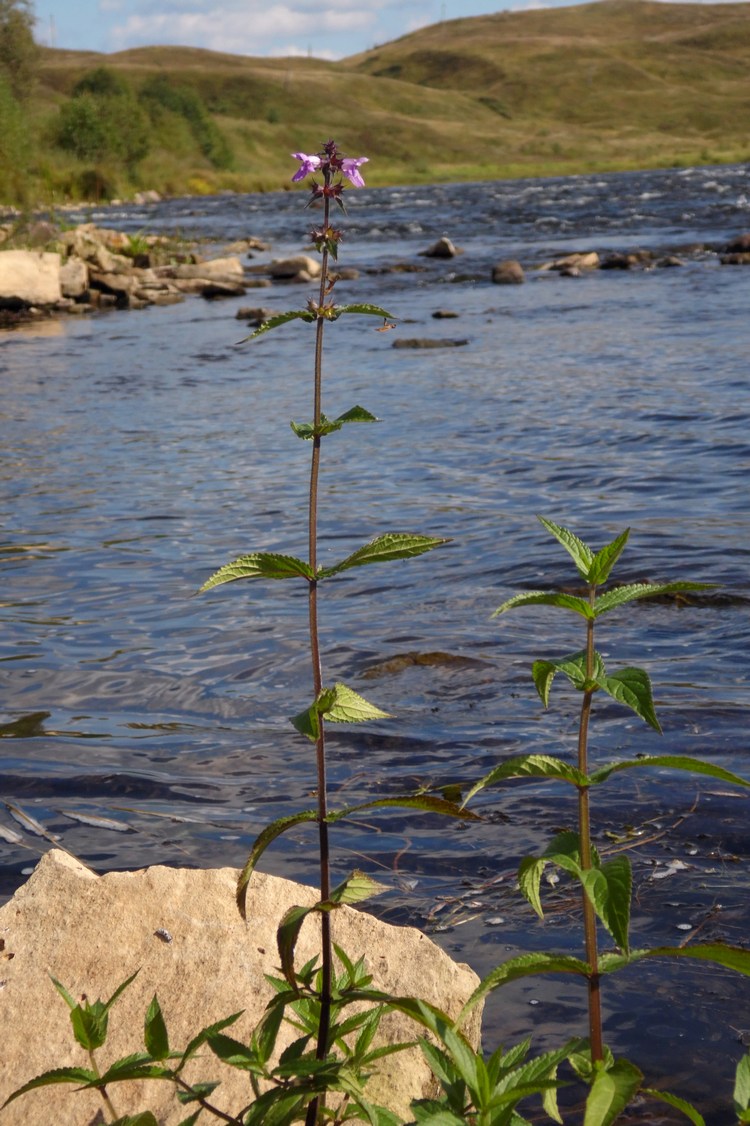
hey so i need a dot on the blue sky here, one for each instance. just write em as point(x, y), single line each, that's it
point(325, 28)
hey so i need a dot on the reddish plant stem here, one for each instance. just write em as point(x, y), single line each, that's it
point(584, 835)
point(326, 955)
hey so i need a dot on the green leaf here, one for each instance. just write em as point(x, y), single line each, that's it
point(145, 1118)
point(307, 723)
point(368, 310)
point(530, 766)
point(347, 706)
point(197, 1091)
point(605, 559)
point(384, 549)
point(233, 1053)
point(309, 430)
point(203, 1036)
point(357, 888)
point(609, 889)
point(64, 993)
point(581, 553)
point(120, 989)
point(155, 1032)
point(286, 939)
point(191, 1118)
point(671, 762)
point(632, 687)
point(139, 1065)
point(90, 1025)
point(611, 1092)
point(574, 667)
point(525, 965)
point(679, 1104)
point(261, 843)
point(280, 319)
point(621, 594)
point(548, 598)
point(80, 1075)
point(731, 957)
point(425, 802)
point(260, 564)
point(266, 1032)
point(741, 1094)
point(530, 879)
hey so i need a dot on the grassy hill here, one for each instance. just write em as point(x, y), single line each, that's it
point(603, 86)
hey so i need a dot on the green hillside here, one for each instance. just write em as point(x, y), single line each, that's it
point(604, 86)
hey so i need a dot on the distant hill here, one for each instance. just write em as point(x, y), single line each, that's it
point(604, 86)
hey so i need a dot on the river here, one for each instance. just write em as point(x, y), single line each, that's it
point(141, 450)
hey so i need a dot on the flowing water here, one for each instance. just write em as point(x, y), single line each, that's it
point(143, 450)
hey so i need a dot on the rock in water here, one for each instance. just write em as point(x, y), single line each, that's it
point(182, 930)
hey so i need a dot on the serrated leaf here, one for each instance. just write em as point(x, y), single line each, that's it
point(197, 1091)
point(308, 430)
point(307, 723)
point(261, 843)
point(741, 1093)
point(259, 565)
point(366, 309)
point(155, 1034)
point(530, 879)
point(611, 1091)
point(80, 1075)
point(731, 957)
point(672, 762)
point(632, 687)
point(574, 667)
point(287, 934)
point(425, 802)
point(604, 560)
point(69, 1001)
point(581, 553)
point(266, 1032)
point(136, 1066)
point(357, 414)
point(679, 1104)
point(279, 319)
point(530, 766)
point(609, 890)
point(203, 1035)
point(547, 598)
point(356, 888)
point(525, 965)
point(90, 1025)
point(384, 549)
point(347, 706)
point(234, 1053)
point(622, 594)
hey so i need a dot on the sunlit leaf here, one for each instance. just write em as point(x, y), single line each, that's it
point(547, 598)
point(356, 888)
point(234, 1053)
point(259, 564)
point(69, 1001)
point(611, 1091)
point(632, 687)
point(368, 310)
point(735, 958)
point(574, 667)
point(80, 1075)
point(309, 430)
point(675, 1101)
point(741, 1093)
point(621, 594)
point(609, 889)
point(525, 965)
point(136, 1066)
point(604, 560)
point(530, 880)
point(530, 766)
point(286, 939)
point(581, 553)
point(261, 843)
point(307, 723)
point(427, 803)
point(279, 319)
point(202, 1037)
point(348, 706)
point(671, 762)
point(384, 549)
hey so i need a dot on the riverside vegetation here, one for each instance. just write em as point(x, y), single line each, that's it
point(322, 1076)
point(614, 85)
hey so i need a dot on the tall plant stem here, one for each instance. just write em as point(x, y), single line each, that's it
point(584, 834)
point(320, 746)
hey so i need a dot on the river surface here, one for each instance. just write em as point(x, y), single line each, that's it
point(142, 450)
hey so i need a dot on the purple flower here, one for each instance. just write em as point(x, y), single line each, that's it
point(350, 168)
point(308, 164)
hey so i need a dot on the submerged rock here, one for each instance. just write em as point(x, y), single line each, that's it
point(443, 248)
point(509, 272)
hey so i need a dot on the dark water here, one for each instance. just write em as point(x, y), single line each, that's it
point(143, 450)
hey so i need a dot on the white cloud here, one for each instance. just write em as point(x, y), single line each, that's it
point(242, 31)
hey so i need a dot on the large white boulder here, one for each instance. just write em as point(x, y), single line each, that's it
point(182, 930)
point(29, 277)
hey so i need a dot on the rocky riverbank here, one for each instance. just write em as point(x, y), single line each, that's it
point(89, 269)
